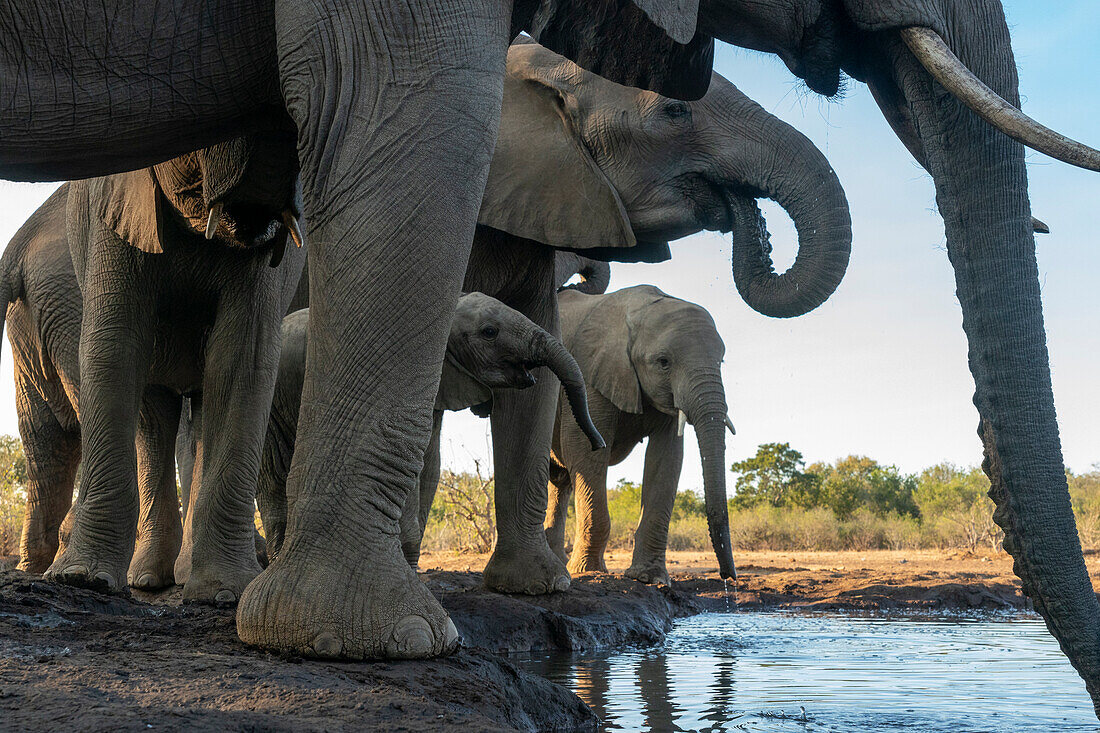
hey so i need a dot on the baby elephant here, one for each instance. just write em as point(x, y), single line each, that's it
point(491, 347)
point(651, 363)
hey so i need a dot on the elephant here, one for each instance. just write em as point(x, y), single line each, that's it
point(136, 307)
point(595, 274)
point(651, 364)
point(491, 348)
point(415, 88)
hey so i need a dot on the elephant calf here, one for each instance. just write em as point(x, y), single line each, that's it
point(651, 363)
point(490, 347)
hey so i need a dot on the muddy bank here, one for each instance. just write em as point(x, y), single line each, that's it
point(76, 660)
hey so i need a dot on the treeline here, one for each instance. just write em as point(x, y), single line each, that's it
point(778, 503)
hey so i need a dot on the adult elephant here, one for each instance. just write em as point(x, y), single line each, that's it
point(651, 364)
point(415, 88)
point(640, 169)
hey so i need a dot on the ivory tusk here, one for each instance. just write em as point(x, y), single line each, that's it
point(294, 228)
point(1039, 227)
point(213, 219)
point(681, 421)
point(946, 68)
point(729, 424)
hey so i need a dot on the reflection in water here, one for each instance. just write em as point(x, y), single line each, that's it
point(789, 672)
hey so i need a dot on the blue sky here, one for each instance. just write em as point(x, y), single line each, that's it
point(880, 369)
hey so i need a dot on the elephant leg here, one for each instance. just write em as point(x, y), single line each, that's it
point(593, 518)
point(241, 365)
point(664, 457)
point(116, 341)
point(560, 492)
point(53, 454)
point(188, 443)
point(414, 515)
point(523, 426)
point(416, 104)
point(274, 465)
point(159, 531)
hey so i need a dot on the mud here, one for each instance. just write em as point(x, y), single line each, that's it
point(75, 660)
point(72, 659)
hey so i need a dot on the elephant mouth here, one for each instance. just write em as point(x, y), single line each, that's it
point(249, 225)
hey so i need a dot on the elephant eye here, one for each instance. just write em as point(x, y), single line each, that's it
point(489, 332)
point(662, 362)
point(677, 110)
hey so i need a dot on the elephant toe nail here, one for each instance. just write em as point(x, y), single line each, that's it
point(326, 644)
point(561, 584)
point(452, 640)
point(146, 580)
point(413, 636)
point(225, 598)
point(106, 578)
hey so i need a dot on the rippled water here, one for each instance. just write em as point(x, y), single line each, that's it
point(793, 672)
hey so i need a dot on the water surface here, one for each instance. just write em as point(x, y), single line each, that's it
point(794, 672)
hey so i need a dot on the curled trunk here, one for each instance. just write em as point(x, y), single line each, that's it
point(595, 275)
point(781, 164)
point(551, 353)
point(706, 410)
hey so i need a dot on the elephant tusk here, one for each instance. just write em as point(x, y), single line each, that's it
point(213, 219)
point(294, 228)
point(946, 68)
point(729, 424)
point(681, 421)
point(1039, 227)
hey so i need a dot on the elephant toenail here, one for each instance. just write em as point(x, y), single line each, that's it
point(327, 645)
point(561, 584)
point(74, 572)
point(225, 598)
point(413, 637)
point(107, 578)
point(452, 640)
point(147, 580)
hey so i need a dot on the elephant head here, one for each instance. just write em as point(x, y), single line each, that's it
point(648, 348)
point(638, 170)
point(595, 274)
point(243, 193)
point(492, 346)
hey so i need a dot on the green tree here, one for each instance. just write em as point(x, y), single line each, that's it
point(949, 496)
point(860, 482)
point(774, 476)
point(13, 495)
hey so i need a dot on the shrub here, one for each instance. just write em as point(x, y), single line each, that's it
point(13, 493)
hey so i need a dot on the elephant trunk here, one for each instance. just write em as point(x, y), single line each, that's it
point(550, 352)
point(780, 163)
point(705, 407)
point(595, 275)
point(981, 190)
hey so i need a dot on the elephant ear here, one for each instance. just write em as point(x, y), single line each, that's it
point(649, 44)
point(458, 389)
point(133, 206)
point(543, 184)
point(601, 345)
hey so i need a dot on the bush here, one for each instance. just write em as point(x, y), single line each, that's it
point(13, 493)
point(463, 516)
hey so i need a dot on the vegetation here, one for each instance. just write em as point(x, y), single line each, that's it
point(778, 503)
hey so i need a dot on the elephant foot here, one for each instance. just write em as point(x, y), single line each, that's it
point(220, 584)
point(531, 568)
point(555, 537)
point(411, 551)
point(36, 562)
point(371, 606)
point(87, 569)
point(649, 573)
point(154, 557)
point(586, 562)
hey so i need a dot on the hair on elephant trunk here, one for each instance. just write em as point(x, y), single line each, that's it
point(554, 355)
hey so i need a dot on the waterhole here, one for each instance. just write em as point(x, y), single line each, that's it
point(795, 672)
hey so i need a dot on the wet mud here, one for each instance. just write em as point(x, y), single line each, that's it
point(72, 659)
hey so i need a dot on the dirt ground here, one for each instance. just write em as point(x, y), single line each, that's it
point(75, 660)
point(927, 580)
